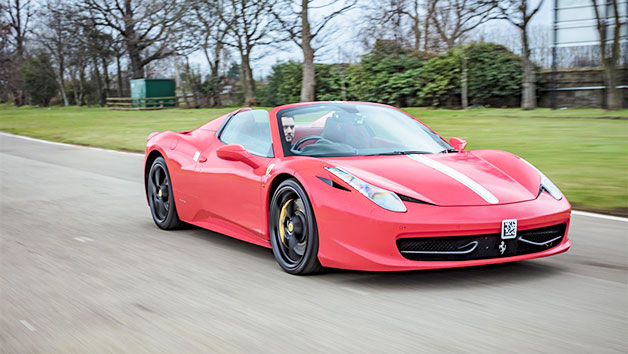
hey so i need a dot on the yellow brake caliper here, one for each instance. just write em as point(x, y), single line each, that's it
point(282, 220)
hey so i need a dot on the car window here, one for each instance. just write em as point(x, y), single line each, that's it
point(251, 129)
point(354, 129)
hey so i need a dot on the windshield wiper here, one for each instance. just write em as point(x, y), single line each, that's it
point(448, 150)
point(400, 152)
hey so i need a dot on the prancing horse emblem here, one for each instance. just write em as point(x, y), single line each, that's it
point(502, 247)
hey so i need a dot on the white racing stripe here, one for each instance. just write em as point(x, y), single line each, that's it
point(471, 184)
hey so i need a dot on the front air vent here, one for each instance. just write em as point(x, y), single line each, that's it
point(333, 184)
point(405, 198)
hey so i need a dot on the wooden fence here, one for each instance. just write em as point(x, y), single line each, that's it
point(146, 103)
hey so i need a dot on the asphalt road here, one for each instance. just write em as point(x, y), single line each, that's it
point(83, 269)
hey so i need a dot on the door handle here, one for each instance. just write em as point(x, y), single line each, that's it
point(202, 158)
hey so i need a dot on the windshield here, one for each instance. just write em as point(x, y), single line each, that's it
point(354, 129)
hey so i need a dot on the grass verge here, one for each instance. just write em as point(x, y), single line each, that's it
point(587, 157)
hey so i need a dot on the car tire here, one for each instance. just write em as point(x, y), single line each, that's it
point(160, 196)
point(293, 231)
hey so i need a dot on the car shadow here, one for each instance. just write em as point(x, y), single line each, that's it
point(223, 241)
point(467, 277)
point(516, 272)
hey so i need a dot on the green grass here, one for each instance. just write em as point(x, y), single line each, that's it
point(586, 157)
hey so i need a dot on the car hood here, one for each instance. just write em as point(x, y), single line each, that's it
point(479, 177)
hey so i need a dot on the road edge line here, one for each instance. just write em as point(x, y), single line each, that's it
point(599, 216)
point(68, 144)
point(575, 212)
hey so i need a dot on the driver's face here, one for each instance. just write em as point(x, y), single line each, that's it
point(288, 128)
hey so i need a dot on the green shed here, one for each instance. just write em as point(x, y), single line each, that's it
point(147, 88)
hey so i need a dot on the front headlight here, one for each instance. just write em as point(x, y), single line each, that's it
point(382, 197)
point(546, 184)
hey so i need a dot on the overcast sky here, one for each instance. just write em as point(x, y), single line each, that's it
point(349, 25)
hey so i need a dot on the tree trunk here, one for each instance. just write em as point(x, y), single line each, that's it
point(417, 35)
point(191, 80)
point(464, 81)
point(613, 94)
point(309, 80)
point(308, 84)
point(106, 74)
point(119, 69)
point(74, 90)
point(212, 94)
point(426, 29)
point(62, 83)
point(248, 84)
point(101, 101)
point(136, 62)
point(217, 84)
point(81, 86)
point(62, 89)
point(528, 92)
point(416, 26)
point(214, 65)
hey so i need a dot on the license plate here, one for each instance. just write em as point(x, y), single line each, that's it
point(509, 229)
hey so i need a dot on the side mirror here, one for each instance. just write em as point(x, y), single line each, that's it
point(236, 153)
point(458, 143)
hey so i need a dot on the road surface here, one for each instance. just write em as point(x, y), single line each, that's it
point(83, 269)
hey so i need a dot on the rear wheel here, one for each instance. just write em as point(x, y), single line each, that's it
point(160, 198)
point(293, 232)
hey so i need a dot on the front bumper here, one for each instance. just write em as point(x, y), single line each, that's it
point(350, 238)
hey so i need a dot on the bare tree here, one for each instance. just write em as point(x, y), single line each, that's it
point(54, 35)
point(118, 51)
point(455, 18)
point(430, 9)
point(209, 29)
point(520, 14)
point(407, 22)
point(86, 47)
point(295, 21)
point(98, 45)
point(610, 60)
point(386, 20)
point(150, 29)
point(77, 61)
point(249, 28)
point(7, 70)
point(18, 15)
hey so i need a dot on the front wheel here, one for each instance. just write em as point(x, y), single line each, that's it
point(293, 232)
point(160, 198)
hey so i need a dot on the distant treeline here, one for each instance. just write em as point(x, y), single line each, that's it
point(403, 77)
point(418, 51)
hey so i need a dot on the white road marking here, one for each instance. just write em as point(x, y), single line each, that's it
point(574, 212)
point(28, 325)
point(69, 145)
point(360, 292)
point(599, 216)
point(83, 239)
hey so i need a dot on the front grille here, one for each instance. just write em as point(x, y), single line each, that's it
point(464, 248)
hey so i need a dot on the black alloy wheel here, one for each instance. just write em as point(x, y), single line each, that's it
point(293, 232)
point(160, 198)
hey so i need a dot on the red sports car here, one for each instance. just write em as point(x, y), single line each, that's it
point(356, 186)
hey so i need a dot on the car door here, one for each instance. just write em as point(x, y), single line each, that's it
point(231, 191)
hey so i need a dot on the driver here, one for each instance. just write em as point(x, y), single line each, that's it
point(288, 128)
